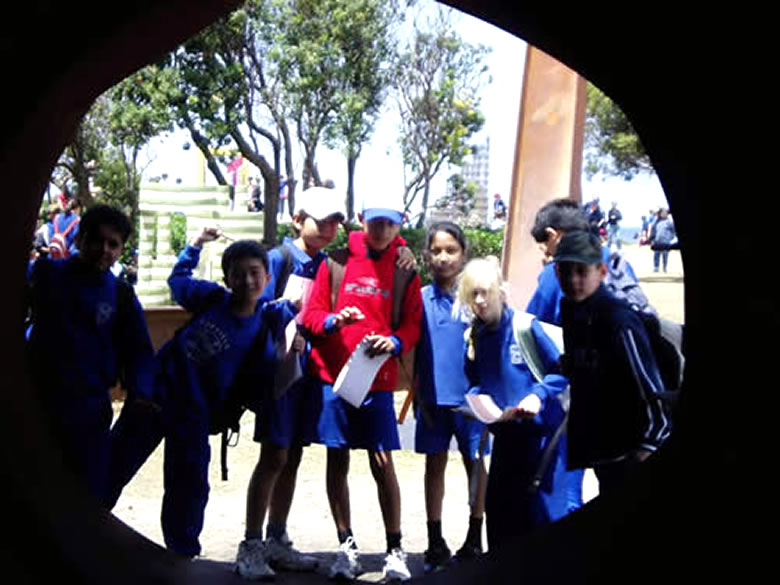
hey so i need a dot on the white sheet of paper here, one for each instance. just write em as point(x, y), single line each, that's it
point(295, 287)
point(485, 408)
point(289, 335)
point(355, 378)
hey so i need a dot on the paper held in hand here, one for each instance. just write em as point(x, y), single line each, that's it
point(485, 409)
point(355, 378)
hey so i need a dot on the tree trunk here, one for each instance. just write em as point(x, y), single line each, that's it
point(426, 192)
point(270, 208)
point(350, 202)
point(289, 167)
point(271, 179)
point(203, 145)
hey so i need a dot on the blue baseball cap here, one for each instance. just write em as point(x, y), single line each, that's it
point(383, 213)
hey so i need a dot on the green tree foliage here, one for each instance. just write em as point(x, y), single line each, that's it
point(364, 33)
point(104, 156)
point(225, 95)
point(612, 146)
point(437, 79)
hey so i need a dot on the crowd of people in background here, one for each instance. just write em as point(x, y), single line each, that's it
point(595, 404)
point(657, 230)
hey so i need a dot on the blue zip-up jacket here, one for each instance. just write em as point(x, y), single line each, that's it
point(545, 303)
point(440, 351)
point(201, 362)
point(616, 405)
point(78, 341)
point(501, 372)
point(303, 265)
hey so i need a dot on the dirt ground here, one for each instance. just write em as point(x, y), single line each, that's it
point(310, 524)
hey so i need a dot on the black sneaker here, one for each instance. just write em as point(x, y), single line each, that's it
point(468, 551)
point(436, 558)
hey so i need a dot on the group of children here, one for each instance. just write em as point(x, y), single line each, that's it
point(465, 334)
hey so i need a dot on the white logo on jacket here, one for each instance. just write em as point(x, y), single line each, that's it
point(103, 313)
point(515, 355)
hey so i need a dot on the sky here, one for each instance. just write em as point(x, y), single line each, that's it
point(380, 166)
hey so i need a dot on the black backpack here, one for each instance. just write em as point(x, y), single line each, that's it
point(666, 341)
point(621, 284)
point(666, 336)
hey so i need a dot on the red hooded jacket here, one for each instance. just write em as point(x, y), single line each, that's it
point(367, 285)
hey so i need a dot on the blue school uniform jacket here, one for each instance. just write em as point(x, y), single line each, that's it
point(200, 363)
point(440, 352)
point(616, 404)
point(79, 341)
point(500, 371)
point(302, 265)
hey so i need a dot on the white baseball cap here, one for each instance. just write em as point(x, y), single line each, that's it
point(320, 203)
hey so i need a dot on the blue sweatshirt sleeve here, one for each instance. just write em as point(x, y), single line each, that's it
point(546, 300)
point(634, 346)
point(137, 354)
point(192, 294)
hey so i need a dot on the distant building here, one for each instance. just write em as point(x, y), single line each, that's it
point(475, 169)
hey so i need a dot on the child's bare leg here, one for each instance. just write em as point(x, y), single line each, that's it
point(435, 466)
point(338, 487)
point(475, 471)
point(478, 504)
point(264, 477)
point(284, 490)
point(383, 470)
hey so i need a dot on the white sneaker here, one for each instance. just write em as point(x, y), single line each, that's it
point(395, 568)
point(280, 554)
point(347, 564)
point(251, 561)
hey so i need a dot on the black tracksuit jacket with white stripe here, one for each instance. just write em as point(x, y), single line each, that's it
point(616, 405)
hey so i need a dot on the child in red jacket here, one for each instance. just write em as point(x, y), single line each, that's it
point(362, 310)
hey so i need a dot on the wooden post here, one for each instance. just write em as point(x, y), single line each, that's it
point(548, 162)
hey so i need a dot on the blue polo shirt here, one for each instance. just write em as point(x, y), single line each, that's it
point(441, 380)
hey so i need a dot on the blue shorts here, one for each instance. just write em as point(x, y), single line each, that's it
point(434, 435)
point(341, 425)
point(282, 422)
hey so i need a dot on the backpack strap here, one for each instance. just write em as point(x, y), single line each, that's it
point(287, 269)
point(72, 225)
point(337, 262)
point(524, 337)
point(401, 279)
point(547, 455)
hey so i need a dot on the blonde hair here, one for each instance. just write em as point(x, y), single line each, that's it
point(479, 273)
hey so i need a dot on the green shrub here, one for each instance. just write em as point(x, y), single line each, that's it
point(178, 230)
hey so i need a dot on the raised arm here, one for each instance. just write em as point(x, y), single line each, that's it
point(191, 293)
